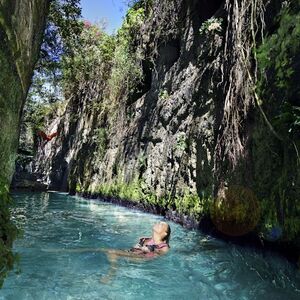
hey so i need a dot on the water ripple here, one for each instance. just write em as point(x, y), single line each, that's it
point(197, 266)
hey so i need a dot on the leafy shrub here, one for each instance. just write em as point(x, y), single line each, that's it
point(277, 62)
point(101, 139)
point(181, 142)
point(127, 70)
point(211, 25)
point(163, 95)
point(192, 204)
point(278, 70)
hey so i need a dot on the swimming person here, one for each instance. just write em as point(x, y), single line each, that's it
point(147, 247)
point(157, 244)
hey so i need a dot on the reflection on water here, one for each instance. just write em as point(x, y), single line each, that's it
point(197, 266)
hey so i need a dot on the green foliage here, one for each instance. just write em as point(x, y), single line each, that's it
point(268, 213)
point(109, 63)
point(8, 233)
point(270, 218)
point(278, 50)
point(126, 71)
point(107, 48)
point(292, 227)
point(101, 139)
point(91, 57)
point(211, 25)
point(137, 191)
point(278, 86)
point(288, 119)
point(85, 62)
point(133, 21)
point(60, 39)
point(78, 188)
point(131, 191)
point(134, 191)
point(277, 64)
point(163, 95)
point(181, 142)
point(192, 204)
point(95, 51)
point(61, 35)
point(135, 4)
point(36, 114)
point(142, 161)
point(63, 22)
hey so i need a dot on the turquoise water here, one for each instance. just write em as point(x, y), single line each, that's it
point(196, 267)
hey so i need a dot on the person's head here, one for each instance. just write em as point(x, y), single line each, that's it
point(162, 230)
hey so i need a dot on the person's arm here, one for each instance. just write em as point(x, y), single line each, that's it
point(113, 255)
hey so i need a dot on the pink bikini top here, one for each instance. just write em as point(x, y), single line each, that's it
point(152, 246)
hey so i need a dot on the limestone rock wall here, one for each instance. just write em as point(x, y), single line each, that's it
point(169, 138)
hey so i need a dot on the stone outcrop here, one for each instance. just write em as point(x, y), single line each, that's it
point(21, 28)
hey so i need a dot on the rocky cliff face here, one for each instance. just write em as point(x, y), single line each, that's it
point(21, 28)
point(195, 128)
point(166, 135)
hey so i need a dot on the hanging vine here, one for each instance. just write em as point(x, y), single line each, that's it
point(245, 25)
